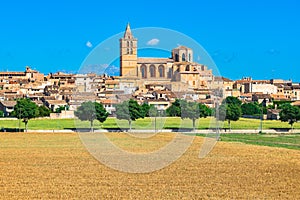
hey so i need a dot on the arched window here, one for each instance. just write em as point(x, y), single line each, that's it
point(183, 57)
point(131, 51)
point(190, 58)
point(128, 51)
point(127, 43)
point(187, 68)
point(131, 43)
point(176, 58)
point(161, 71)
point(144, 71)
point(152, 71)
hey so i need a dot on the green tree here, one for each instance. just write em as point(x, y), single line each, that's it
point(1, 113)
point(25, 109)
point(290, 114)
point(175, 109)
point(230, 110)
point(152, 112)
point(61, 108)
point(129, 110)
point(145, 109)
point(251, 109)
point(89, 111)
point(190, 110)
point(44, 111)
point(204, 110)
point(232, 100)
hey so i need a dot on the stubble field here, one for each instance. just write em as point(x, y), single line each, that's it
point(57, 166)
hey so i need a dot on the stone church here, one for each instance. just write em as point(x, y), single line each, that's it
point(179, 71)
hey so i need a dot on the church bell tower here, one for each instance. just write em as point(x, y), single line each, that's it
point(128, 54)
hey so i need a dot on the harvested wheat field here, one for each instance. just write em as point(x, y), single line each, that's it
point(57, 166)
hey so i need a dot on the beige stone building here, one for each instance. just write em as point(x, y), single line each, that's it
point(179, 69)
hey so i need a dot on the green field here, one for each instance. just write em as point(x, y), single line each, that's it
point(147, 123)
point(272, 140)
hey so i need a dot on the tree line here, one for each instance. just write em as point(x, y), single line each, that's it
point(231, 109)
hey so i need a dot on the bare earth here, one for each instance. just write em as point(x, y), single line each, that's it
point(57, 166)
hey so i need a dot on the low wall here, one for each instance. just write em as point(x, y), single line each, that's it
point(66, 114)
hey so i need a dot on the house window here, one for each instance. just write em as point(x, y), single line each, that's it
point(152, 71)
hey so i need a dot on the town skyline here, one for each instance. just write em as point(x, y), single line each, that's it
point(58, 36)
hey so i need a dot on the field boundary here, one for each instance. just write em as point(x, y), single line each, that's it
point(189, 131)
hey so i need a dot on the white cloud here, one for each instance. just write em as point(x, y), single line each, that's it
point(153, 42)
point(89, 44)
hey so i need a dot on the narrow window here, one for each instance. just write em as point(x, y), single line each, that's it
point(176, 58)
point(143, 71)
point(183, 57)
point(152, 71)
point(161, 71)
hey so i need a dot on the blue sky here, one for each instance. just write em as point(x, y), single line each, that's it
point(245, 38)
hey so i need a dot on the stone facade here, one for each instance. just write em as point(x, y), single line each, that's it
point(179, 69)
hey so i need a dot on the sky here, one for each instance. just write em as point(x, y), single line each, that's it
point(244, 38)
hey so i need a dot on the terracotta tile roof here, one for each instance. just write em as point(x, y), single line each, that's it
point(8, 103)
point(57, 102)
point(296, 86)
point(274, 111)
point(112, 82)
point(296, 103)
point(12, 73)
point(108, 101)
point(221, 78)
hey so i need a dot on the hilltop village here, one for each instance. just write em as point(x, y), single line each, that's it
point(155, 81)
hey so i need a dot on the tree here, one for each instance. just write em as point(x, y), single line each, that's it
point(290, 114)
point(89, 111)
point(230, 110)
point(145, 109)
point(190, 110)
point(233, 113)
point(44, 111)
point(25, 109)
point(152, 112)
point(232, 100)
point(251, 109)
point(129, 110)
point(61, 108)
point(175, 109)
point(1, 113)
point(204, 110)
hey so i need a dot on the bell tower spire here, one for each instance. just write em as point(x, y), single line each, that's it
point(128, 54)
point(128, 34)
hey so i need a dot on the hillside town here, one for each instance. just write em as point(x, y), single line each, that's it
point(155, 81)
